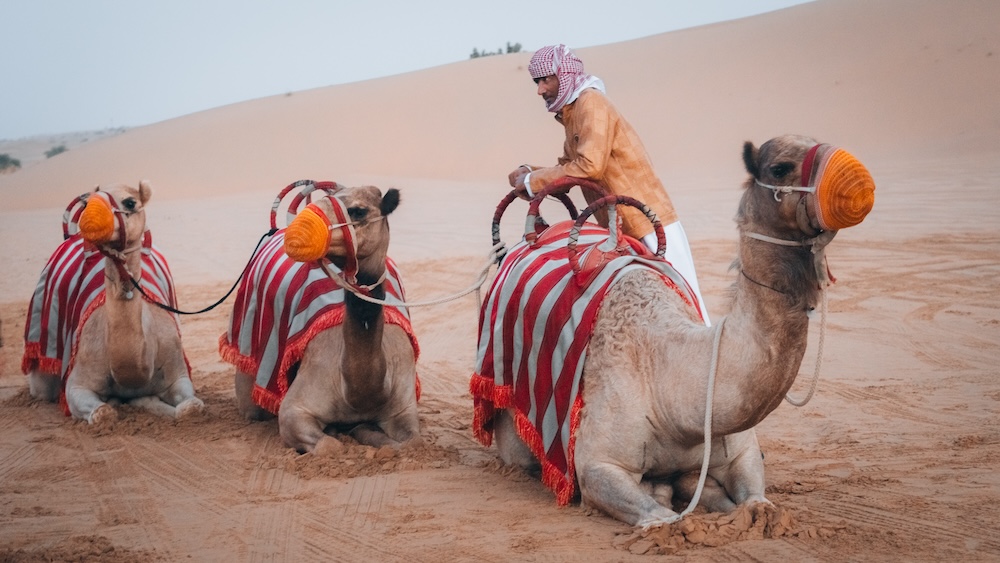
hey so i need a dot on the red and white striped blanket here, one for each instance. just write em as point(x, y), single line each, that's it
point(534, 329)
point(280, 306)
point(69, 290)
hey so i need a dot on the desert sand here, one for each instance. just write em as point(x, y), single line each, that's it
point(894, 459)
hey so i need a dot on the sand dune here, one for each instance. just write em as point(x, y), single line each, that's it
point(894, 460)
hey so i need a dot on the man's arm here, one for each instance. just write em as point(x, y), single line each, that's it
point(593, 125)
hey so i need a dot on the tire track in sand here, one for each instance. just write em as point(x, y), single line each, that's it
point(270, 519)
point(860, 514)
point(121, 492)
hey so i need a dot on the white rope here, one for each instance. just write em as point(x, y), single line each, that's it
point(707, 454)
point(484, 272)
point(819, 360)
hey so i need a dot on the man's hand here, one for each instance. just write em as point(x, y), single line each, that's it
point(516, 179)
point(517, 176)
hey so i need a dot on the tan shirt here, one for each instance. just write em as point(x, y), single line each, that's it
point(602, 146)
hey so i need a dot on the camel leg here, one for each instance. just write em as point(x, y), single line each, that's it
point(181, 396)
point(662, 492)
point(512, 449)
point(44, 386)
point(617, 492)
point(744, 478)
point(84, 404)
point(154, 405)
point(713, 495)
point(304, 432)
point(371, 435)
point(244, 398)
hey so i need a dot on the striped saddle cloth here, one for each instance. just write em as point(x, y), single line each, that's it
point(280, 306)
point(69, 290)
point(534, 329)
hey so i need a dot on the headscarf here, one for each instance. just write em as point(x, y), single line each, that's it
point(562, 62)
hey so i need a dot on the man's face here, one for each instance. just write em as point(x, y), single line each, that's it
point(548, 88)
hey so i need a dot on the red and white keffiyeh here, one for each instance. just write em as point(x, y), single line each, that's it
point(561, 61)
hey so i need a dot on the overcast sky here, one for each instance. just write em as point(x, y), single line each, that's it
point(82, 65)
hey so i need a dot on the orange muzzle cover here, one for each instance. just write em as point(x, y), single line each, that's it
point(97, 222)
point(845, 190)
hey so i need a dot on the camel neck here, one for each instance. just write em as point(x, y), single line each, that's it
point(364, 368)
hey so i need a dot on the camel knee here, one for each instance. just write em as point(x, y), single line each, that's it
point(619, 494)
point(299, 431)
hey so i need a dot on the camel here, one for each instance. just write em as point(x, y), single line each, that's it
point(356, 374)
point(126, 348)
point(640, 437)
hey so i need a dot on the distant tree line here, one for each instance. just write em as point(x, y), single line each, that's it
point(476, 53)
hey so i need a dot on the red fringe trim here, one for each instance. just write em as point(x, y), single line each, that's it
point(488, 397)
point(33, 360)
point(294, 350)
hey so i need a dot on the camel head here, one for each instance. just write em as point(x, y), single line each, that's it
point(349, 228)
point(115, 216)
point(817, 187)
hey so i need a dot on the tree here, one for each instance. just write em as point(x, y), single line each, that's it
point(8, 164)
point(55, 150)
point(476, 53)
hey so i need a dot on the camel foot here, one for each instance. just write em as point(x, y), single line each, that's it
point(658, 520)
point(103, 414)
point(189, 407)
point(328, 446)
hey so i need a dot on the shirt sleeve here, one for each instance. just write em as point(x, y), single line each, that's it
point(593, 126)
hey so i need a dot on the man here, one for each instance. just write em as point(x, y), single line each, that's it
point(602, 146)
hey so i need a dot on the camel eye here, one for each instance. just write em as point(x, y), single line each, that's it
point(781, 170)
point(357, 213)
point(130, 204)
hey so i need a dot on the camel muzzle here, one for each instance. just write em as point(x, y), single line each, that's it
point(311, 236)
point(845, 190)
point(842, 188)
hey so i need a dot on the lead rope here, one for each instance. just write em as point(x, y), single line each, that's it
point(494, 254)
point(822, 323)
point(707, 454)
point(819, 360)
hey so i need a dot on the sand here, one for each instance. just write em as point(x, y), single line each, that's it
point(893, 459)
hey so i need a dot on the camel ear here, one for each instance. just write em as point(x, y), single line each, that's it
point(750, 159)
point(390, 201)
point(145, 191)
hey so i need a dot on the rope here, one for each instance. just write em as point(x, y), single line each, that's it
point(217, 303)
point(819, 360)
point(707, 454)
point(494, 255)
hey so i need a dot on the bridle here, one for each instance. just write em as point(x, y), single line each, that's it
point(118, 255)
point(349, 279)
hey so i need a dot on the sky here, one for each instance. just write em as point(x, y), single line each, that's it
point(88, 65)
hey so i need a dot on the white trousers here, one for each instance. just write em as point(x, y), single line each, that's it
point(679, 255)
